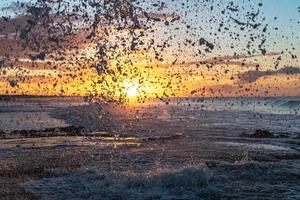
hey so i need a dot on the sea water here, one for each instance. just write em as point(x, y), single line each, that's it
point(211, 161)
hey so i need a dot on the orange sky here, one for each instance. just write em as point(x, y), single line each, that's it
point(158, 79)
point(177, 75)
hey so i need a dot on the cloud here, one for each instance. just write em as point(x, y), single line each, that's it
point(235, 59)
point(254, 75)
point(239, 60)
point(24, 72)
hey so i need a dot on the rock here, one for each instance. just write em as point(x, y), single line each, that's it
point(176, 136)
point(211, 164)
point(21, 132)
point(106, 134)
point(48, 132)
point(73, 130)
point(259, 134)
point(262, 134)
point(2, 134)
point(69, 130)
point(266, 134)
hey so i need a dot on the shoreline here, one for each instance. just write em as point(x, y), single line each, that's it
point(151, 152)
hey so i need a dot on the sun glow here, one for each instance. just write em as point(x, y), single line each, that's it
point(131, 89)
point(132, 92)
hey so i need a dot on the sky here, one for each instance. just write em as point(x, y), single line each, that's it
point(281, 17)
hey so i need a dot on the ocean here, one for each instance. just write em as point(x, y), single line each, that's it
point(272, 113)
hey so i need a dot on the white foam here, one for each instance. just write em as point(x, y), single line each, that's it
point(256, 146)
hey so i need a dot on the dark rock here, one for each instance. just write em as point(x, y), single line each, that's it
point(2, 134)
point(211, 164)
point(259, 134)
point(176, 136)
point(73, 130)
point(21, 132)
point(106, 135)
point(48, 132)
point(69, 130)
point(266, 134)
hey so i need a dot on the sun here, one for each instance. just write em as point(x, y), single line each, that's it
point(132, 92)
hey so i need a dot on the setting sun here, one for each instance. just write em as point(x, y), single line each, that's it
point(132, 91)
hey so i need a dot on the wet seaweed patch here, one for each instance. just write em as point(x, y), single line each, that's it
point(48, 132)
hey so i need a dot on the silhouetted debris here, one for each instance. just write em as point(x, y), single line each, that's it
point(13, 83)
point(115, 31)
point(101, 45)
point(2, 63)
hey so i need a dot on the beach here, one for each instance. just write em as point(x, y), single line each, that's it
point(230, 148)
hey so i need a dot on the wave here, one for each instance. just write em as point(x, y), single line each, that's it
point(223, 181)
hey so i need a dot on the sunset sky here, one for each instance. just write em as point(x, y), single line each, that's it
point(275, 73)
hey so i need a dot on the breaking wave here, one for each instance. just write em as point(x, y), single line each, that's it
point(224, 181)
